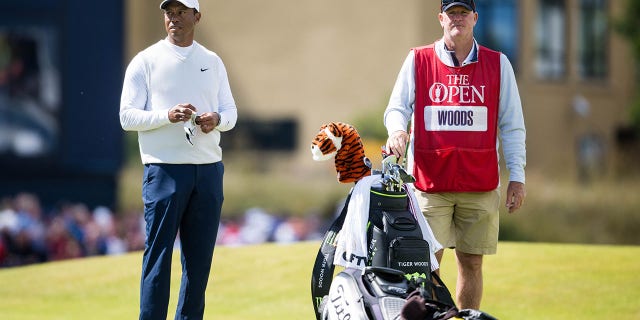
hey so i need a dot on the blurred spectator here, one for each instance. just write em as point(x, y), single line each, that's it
point(106, 228)
point(258, 226)
point(61, 243)
point(23, 231)
point(133, 226)
point(71, 230)
point(291, 229)
point(229, 232)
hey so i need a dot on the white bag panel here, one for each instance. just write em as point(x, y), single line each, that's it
point(344, 302)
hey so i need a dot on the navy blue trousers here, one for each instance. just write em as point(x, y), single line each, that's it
point(182, 198)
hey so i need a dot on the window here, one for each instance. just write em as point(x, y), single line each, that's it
point(30, 95)
point(592, 37)
point(550, 61)
point(263, 135)
point(498, 27)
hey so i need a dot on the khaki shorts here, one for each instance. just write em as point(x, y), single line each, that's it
point(467, 221)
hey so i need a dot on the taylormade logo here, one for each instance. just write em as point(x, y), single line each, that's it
point(340, 304)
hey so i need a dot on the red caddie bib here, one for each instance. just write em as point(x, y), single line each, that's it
point(455, 123)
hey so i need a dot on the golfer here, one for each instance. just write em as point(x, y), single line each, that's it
point(176, 95)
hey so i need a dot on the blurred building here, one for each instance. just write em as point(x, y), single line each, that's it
point(293, 65)
point(60, 81)
point(314, 62)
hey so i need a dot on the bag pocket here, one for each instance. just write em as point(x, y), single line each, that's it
point(410, 255)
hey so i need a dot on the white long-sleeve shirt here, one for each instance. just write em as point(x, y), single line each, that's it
point(162, 76)
point(511, 126)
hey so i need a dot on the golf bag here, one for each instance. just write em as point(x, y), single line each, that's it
point(398, 260)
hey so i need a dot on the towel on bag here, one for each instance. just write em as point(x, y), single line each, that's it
point(351, 246)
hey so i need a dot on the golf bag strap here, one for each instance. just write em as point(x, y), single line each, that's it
point(441, 291)
point(322, 274)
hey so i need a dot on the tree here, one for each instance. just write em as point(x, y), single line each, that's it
point(629, 27)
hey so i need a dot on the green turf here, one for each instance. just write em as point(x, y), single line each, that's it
point(523, 281)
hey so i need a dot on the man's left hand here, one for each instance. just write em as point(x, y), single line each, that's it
point(515, 196)
point(208, 121)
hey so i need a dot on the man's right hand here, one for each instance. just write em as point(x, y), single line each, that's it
point(181, 112)
point(397, 143)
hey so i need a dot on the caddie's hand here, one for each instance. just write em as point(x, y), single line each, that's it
point(208, 121)
point(181, 112)
point(397, 143)
point(515, 196)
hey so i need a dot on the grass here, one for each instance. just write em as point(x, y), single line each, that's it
point(523, 281)
point(561, 210)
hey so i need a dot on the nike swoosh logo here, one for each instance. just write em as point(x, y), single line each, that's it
point(204, 69)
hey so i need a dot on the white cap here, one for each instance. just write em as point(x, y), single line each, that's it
point(193, 4)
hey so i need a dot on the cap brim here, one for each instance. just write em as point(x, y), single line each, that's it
point(457, 4)
point(164, 3)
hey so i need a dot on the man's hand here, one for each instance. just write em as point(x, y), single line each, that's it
point(397, 143)
point(515, 196)
point(181, 112)
point(208, 121)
